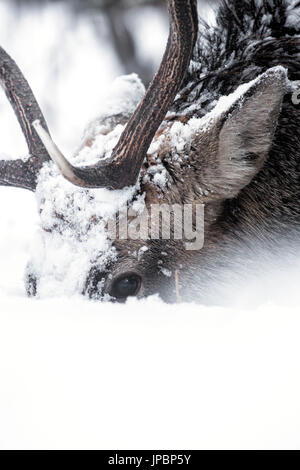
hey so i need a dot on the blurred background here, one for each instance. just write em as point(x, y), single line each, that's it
point(70, 51)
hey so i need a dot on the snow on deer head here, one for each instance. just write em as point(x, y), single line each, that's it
point(140, 208)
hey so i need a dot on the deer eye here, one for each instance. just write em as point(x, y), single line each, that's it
point(127, 285)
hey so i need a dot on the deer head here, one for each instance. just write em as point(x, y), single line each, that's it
point(157, 159)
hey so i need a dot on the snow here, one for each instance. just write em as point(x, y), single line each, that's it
point(72, 237)
point(82, 374)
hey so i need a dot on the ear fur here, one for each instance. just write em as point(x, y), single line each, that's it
point(248, 130)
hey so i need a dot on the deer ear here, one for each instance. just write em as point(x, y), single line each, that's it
point(248, 130)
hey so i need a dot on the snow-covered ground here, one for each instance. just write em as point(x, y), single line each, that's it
point(79, 374)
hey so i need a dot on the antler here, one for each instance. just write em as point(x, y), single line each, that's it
point(20, 173)
point(123, 167)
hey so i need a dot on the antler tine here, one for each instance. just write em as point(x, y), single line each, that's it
point(122, 168)
point(21, 173)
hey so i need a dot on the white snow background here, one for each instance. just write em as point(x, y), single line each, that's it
point(81, 374)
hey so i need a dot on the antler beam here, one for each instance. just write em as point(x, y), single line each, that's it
point(123, 167)
point(21, 173)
